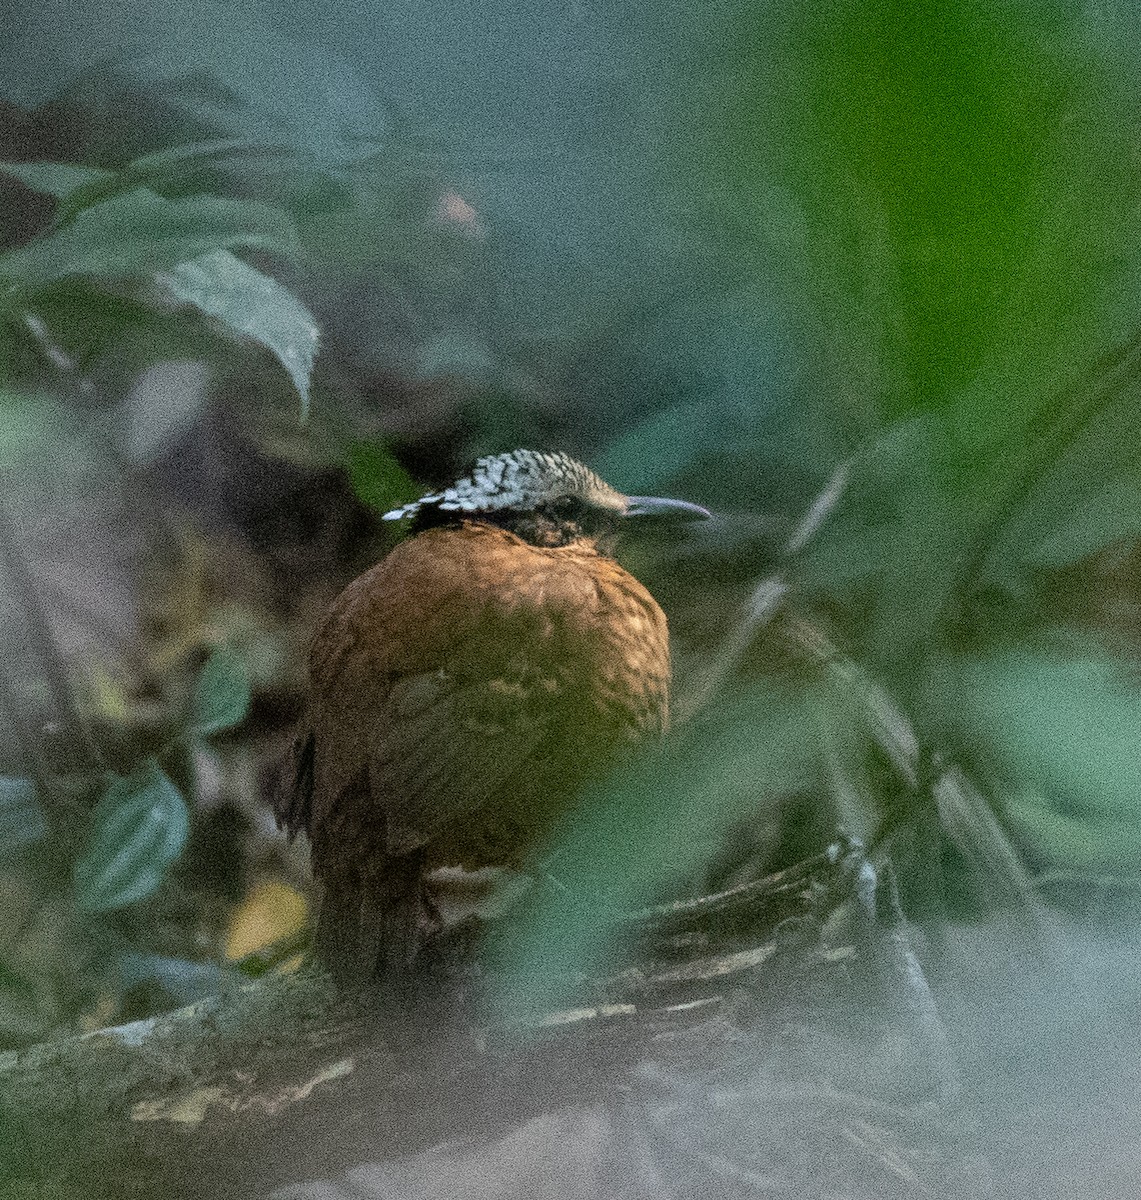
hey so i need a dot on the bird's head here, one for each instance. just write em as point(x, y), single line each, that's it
point(549, 499)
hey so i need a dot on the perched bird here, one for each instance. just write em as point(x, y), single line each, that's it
point(463, 691)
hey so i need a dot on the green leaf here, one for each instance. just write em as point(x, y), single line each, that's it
point(137, 830)
point(1061, 730)
point(893, 544)
point(161, 406)
point(139, 232)
point(377, 478)
point(1078, 842)
point(81, 187)
point(968, 819)
point(22, 821)
point(1067, 723)
point(1096, 521)
point(56, 179)
point(1086, 489)
point(176, 168)
point(251, 305)
point(221, 693)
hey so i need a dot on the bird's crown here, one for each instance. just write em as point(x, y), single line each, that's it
point(520, 480)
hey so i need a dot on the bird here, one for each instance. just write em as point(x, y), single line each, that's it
point(462, 693)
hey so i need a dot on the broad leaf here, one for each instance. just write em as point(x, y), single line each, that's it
point(139, 232)
point(137, 830)
point(1064, 722)
point(1081, 843)
point(1062, 731)
point(56, 179)
point(1095, 522)
point(81, 187)
point(252, 305)
point(221, 693)
point(1084, 491)
point(162, 405)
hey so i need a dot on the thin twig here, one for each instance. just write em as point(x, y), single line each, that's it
point(913, 990)
point(765, 603)
point(839, 861)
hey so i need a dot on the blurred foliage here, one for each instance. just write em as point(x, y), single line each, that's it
point(109, 227)
point(270, 913)
point(221, 693)
point(1059, 733)
point(377, 478)
point(728, 254)
point(22, 815)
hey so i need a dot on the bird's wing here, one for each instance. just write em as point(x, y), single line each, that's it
point(478, 678)
point(451, 744)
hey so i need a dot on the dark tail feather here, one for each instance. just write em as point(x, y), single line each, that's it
point(338, 937)
point(293, 795)
point(374, 930)
point(398, 917)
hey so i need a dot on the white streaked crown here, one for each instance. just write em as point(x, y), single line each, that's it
point(520, 479)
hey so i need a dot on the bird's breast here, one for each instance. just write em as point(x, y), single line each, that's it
point(477, 683)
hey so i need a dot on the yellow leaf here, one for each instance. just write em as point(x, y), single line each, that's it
point(272, 910)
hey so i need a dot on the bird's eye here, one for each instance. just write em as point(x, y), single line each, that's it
point(566, 506)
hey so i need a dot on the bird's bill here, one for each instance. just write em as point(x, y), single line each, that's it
point(669, 510)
